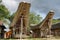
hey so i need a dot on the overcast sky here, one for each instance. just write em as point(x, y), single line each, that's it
point(41, 7)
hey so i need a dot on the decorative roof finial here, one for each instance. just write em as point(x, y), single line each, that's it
point(24, 1)
point(51, 10)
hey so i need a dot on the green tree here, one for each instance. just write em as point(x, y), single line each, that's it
point(4, 13)
point(34, 18)
point(0, 1)
point(11, 17)
point(55, 21)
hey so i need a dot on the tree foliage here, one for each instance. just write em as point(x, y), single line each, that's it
point(55, 21)
point(11, 17)
point(34, 18)
point(4, 13)
point(0, 1)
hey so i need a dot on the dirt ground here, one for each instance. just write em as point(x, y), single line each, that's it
point(52, 38)
point(32, 39)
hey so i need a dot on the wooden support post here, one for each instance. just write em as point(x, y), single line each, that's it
point(21, 33)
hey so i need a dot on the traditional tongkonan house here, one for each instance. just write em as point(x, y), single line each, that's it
point(56, 29)
point(21, 20)
point(44, 28)
point(2, 27)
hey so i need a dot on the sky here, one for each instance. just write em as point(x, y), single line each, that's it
point(41, 7)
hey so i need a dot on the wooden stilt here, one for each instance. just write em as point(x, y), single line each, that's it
point(21, 33)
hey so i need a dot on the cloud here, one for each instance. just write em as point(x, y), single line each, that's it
point(44, 6)
point(38, 6)
point(10, 4)
point(24, 0)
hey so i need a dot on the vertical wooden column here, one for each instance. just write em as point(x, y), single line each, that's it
point(21, 28)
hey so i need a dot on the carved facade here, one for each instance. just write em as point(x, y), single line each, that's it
point(44, 28)
point(21, 19)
